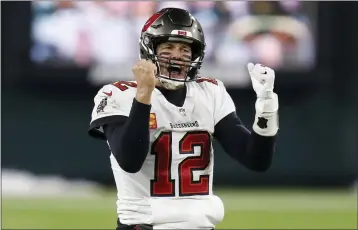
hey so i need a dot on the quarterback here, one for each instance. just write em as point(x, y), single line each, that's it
point(160, 128)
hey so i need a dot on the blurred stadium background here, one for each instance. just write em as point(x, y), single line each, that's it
point(56, 55)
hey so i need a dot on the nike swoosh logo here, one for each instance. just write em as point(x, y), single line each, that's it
point(108, 94)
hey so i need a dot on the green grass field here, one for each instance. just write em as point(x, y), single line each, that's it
point(245, 209)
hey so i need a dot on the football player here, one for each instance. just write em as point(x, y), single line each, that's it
point(160, 128)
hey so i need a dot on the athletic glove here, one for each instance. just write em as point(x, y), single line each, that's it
point(266, 106)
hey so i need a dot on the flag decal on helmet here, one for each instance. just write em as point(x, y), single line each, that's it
point(182, 33)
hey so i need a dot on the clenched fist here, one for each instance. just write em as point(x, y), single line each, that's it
point(263, 79)
point(144, 73)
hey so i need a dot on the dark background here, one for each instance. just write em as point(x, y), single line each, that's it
point(45, 112)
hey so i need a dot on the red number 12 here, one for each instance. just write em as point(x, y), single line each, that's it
point(163, 184)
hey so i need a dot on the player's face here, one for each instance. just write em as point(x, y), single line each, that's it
point(178, 53)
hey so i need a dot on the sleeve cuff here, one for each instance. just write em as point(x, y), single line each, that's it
point(136, 105)
point(95, 129)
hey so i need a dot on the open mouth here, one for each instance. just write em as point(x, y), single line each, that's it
point(175, 70)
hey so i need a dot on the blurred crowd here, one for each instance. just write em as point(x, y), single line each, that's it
point(83, 33)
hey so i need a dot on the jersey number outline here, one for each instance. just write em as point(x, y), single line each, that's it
point(123, 85)
point(203, 79)
point(163, 185)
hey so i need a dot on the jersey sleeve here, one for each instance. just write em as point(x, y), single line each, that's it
point(110, 106)
point(224, 104)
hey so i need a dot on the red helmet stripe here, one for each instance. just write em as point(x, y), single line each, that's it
point(152, 19)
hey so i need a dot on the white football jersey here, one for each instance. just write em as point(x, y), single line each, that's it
point(173, 189)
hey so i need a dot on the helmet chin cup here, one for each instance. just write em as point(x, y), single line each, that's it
point(169, 83)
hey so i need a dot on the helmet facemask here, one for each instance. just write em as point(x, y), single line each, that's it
point(189, 68)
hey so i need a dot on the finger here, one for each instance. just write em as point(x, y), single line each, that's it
point(152, 65)
point(143, 69)
point(134, 68)
point(269, 85)
point(250, 67)
point(271, 72)
point(263, 71)
point(255, 83)
point(260, 69)
point(148, 65)
point(149, 62)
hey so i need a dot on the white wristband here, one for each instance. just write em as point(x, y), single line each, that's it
point(266, 124)
point(266, 117)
